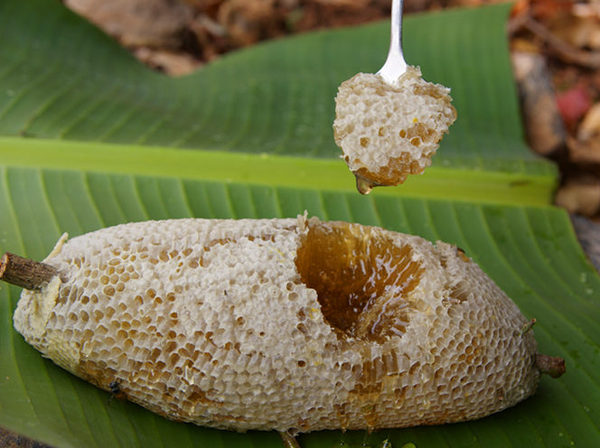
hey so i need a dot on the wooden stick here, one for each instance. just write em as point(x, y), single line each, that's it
point(561, 48)
point(551, 365)
point(289, 441)
point(26, 273)
point(528, 326)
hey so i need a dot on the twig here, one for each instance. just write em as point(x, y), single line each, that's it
point(560, 47)
point(551, 365)
point(528, 326)
point(289, 441)
point(24, 272)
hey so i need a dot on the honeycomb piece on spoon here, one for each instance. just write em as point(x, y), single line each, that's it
point(388, 131)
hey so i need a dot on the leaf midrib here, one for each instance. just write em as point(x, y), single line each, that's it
point(438, 182)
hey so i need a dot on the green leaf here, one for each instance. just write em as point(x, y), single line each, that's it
point(90, 138)
point(69, 81)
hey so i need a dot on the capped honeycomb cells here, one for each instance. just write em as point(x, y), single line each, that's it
point(387, 132)
point(286, 324)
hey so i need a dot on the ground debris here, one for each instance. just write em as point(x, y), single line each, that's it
point(580, 196)
point(566, 35)
point(545, 128)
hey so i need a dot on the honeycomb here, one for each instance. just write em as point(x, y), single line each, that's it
point(361, 279)
point(285, 324)
point(387, 132)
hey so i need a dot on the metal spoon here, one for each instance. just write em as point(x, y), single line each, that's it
point(395, 65)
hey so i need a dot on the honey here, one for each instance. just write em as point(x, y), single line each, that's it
point(362, 279)
point(397, 169)
point(364, 185)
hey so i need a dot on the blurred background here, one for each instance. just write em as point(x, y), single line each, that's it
point(555, 46)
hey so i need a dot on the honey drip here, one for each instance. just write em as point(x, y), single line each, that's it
point(394, 173)
point(361, 277)
point(364, 185)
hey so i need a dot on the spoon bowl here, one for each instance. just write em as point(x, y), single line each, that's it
point(395, 65)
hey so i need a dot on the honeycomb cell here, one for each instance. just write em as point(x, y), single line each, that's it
point(387, 132)
point(361, 279)
point(286, 324)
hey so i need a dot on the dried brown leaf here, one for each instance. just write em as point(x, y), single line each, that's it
point(590, 125)
point(153, 23)
point(546, 133)
point(584, 152)
point(170, 62)
point(580, 196)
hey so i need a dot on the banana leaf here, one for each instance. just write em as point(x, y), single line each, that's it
point(90, 138)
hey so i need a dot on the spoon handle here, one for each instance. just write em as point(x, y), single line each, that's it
point(395, 65)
